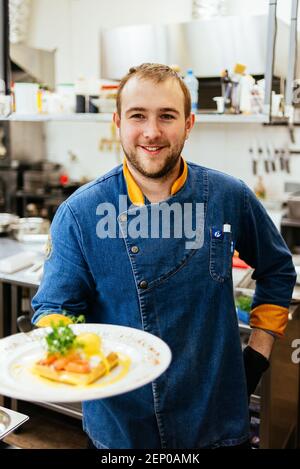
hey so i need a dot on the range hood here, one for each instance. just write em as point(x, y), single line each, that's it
point(207, 46)
point(28, 63)
point(36, 64)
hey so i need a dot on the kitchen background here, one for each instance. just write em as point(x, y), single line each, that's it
point(44, 157)
point(73, 28)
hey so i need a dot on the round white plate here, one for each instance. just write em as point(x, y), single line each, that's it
point(149, 358)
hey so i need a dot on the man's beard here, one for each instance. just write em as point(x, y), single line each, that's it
point(169, 163)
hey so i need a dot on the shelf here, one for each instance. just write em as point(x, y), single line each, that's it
point(85, 117)
point(213, 118)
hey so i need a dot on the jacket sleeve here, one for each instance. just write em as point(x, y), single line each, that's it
point(263, 248)
point(66, 283)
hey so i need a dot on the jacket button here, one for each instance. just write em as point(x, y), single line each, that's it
point(143, 284)
point(134, 249)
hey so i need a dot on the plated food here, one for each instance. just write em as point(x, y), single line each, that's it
point(74, 359)
point(141, 358)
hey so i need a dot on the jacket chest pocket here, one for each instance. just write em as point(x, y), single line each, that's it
point(220, 263)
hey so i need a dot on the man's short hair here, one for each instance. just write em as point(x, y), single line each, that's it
point(157, 73)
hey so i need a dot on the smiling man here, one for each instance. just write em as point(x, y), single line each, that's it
point(161, 284)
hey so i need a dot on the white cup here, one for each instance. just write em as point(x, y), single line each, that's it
point(26, 98)
point(220, 104)
point(276, 101)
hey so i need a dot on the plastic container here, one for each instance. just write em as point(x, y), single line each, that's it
point(107, 98)
point(193, 86)
point(26, 98)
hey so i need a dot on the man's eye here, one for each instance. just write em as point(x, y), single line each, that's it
point(167, 116)
point(137, 116)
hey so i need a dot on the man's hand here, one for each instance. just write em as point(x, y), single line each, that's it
point(256, 356)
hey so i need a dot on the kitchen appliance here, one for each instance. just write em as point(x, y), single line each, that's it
point(293, 206)
point(6, 221)
point(196, 45)
point(290, 223)
point(26, 229)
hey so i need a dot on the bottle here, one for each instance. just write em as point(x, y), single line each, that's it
point(193, 86)
point(259, 188)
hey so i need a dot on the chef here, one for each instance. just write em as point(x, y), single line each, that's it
point(112, 260)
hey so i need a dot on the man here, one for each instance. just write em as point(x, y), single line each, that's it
point(178, 285)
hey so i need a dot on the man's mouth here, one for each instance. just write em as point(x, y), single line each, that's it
point(152, 149)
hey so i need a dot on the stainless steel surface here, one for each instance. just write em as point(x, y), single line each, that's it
point(293, 205)
point(4, 38)
point(37, 63)
point(271, 38)
point(289, 87)
point(29, 226)
point(10, 420)
point(6, 221)
point(206, 46)
point(24, 323)
point(73, 410)
point(280, 404)
point(280, 386)
point(4, 421)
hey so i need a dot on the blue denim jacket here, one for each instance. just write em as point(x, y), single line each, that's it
point(187, 300)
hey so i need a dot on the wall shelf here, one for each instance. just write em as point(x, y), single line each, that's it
point(213, 118)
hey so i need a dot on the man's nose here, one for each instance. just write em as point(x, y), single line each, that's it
point(152, 129)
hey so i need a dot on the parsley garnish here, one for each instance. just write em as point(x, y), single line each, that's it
point(62, 339)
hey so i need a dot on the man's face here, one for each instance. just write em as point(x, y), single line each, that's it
point(153, 127)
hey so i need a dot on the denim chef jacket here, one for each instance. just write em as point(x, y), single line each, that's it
point(184, 296)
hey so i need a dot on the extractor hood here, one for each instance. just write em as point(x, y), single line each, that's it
point(207, 46)
point(37, 64)
point(33, 64)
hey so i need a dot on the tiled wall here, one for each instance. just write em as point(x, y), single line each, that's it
point(221, 146)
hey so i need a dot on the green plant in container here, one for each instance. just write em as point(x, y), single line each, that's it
point(243, 308)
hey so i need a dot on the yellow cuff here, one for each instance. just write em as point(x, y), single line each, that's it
point(54, 319)
point(273, 318)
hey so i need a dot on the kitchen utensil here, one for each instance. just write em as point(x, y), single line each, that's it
point(4, 421)
point(24, 324)
point(10, 420)
point(30, 226)
point(293, 205)
point(254, 161)
point(6, 220)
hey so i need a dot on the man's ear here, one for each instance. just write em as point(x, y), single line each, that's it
point(117, 119)
point(189, 124)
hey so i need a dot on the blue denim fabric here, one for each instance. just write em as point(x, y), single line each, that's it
point(201, 400)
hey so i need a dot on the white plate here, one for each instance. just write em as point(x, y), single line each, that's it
point(149, 358)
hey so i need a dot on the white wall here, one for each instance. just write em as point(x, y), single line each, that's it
point(220, 146)
point(73, 27)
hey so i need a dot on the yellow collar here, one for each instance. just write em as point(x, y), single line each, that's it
point(134, 192)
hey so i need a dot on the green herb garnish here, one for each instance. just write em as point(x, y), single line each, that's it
point(244, 303)
point(60, 340)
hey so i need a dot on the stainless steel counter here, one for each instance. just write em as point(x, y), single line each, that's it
point(9, 247)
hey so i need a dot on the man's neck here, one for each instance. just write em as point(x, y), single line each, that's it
point(156, 190)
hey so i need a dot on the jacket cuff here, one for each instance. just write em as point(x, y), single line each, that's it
point(271, 318)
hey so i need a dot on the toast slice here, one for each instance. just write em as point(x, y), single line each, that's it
point(79, 379)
